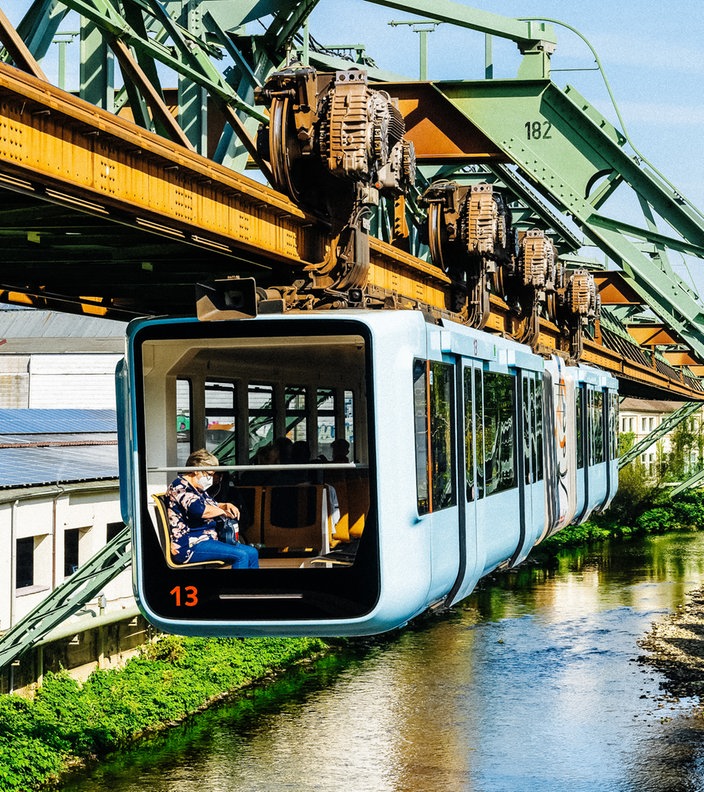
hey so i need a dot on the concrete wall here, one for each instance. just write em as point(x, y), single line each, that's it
point(106, 629)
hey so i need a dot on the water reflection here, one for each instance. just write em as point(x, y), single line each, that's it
point(532, 685)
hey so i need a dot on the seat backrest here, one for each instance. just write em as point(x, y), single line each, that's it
point(295, 516)
point(252, 498)
point(162, 524)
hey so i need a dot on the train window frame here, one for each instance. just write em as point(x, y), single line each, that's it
point(292, 594)
point(229, 387)
point(532, 419)
point(184, 434)
point(469, 381)
point(597, 445)
point(434, 430)
point(505, 482)
point(581, 435)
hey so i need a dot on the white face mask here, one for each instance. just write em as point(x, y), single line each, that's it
point(205, 482)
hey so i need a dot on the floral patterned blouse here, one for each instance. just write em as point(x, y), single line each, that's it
point(187, 526)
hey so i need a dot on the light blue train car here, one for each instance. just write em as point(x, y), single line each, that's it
point(461, 452)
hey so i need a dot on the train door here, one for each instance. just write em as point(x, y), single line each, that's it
point(436, 468)
point(530, 461)
point(469, 435)
point(582, 442)
point(499, 507)
point(612, 423)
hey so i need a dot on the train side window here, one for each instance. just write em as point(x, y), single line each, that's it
point(580, 434)
point(469, 434)
point(499, 432)
point(538, 424)
point(422, 435)
point(532, 427)
point(349, 423)
point(295, 399)
point(261, 416)
point(479, 417)
point(527, 410)
point(596, 418)
point(442, 445)
point(326, 421)
point(613, 425)
point(434, 436)
point(183, 420)
point(220, 417)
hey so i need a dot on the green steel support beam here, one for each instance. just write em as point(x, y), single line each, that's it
point(667, 425)
point(536, 40)
point(68, 598)
point(566, 148)
point(189, 60)
point(527, 195)
point(286, 23)
point(685, 485)
point(40, 25)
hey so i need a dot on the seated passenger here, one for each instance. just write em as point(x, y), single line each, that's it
point(340, 450)
point(193, 517)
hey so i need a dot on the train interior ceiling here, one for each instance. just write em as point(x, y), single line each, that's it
point(269, 409)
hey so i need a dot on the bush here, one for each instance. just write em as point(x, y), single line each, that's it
point(167, 681)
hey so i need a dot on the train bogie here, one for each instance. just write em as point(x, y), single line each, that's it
point(463, 452)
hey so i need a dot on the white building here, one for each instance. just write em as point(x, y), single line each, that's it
point(59, 495)
point(641, 417)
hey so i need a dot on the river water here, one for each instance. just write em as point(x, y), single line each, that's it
point(531, 686)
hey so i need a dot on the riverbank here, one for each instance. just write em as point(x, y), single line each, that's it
point(67, 724)
point(675, 647)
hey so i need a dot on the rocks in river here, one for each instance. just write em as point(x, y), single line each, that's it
point(675, 646)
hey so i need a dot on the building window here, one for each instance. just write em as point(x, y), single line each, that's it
point(24, 563)
point(71, 537)
point(114, 529)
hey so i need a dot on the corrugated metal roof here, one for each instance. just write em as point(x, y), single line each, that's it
point(20, 330)
point(57, 446)
point(31, 466)
point(56, 421)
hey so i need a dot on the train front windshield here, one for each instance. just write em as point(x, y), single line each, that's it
point(284, 405)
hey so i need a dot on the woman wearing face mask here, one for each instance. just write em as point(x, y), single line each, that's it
point(193, 517)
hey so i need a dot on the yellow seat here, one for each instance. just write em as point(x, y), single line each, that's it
point(160, 508)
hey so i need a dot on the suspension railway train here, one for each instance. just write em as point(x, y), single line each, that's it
point(465, 451)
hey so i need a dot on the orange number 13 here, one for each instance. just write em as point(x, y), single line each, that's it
point(187, 596)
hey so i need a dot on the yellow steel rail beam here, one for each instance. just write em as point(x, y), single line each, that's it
point(61, 149)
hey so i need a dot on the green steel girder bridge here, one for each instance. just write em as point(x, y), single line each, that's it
point(118, 196)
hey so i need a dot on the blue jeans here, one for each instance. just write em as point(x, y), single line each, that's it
point(242, 556)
